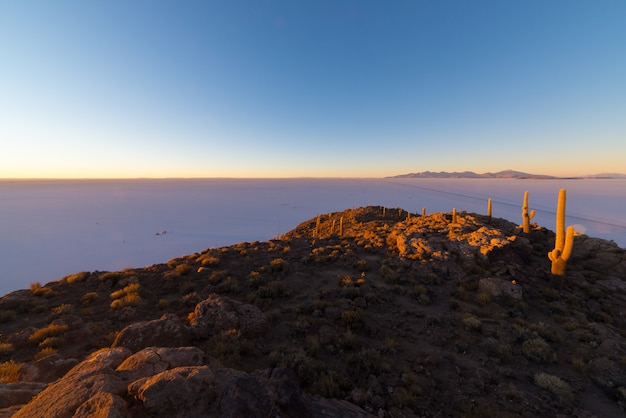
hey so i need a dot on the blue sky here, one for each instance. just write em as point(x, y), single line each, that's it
point(310, 88)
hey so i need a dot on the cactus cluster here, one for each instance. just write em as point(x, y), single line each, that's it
point(564, 241)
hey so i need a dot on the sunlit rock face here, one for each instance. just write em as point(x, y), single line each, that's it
point(171, 382)
point(168, 331)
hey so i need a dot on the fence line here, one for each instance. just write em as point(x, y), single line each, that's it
point(466, 196)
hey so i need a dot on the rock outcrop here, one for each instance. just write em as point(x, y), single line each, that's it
point(219, 313)
point(172, 383)
point(168, 331)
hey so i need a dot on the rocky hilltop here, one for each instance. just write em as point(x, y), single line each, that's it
point(366, 312)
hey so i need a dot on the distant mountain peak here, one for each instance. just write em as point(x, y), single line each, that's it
point(512, 174)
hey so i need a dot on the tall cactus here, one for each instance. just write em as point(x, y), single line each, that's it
point(563, 242)
point(526, 217)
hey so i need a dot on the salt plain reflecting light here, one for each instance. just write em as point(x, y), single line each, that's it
point(84, 225)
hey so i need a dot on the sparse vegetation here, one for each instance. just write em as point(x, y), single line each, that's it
point(127, 296)
point(389, 315)
point(76, 277)
point(37, 290)
point(555, 385)
point(9, 371)
point(51, 330)
point(6, 349)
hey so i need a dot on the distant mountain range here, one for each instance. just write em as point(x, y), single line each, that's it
point(506, 174)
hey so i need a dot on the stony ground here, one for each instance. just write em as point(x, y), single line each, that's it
point(394, 313)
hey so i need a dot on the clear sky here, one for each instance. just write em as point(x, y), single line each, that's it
point(310, 88)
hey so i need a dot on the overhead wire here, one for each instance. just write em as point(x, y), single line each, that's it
point(482, 199)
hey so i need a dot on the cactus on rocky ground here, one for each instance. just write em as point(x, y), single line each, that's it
point(564, 241)
point(453, 215)
point(489, 209)
point(317, 227)
point(423, 211)
point(526, 217)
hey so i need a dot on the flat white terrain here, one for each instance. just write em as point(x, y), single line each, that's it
point(49, 229)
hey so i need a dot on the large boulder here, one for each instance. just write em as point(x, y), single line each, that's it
point(168, 331)
point(188, 392)
point(18, 393)
point(90, 378)
point(47, 369)
point(174, 382)
point(154, 360)
point(103, 405)
point(220, 313)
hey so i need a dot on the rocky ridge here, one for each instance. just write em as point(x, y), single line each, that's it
point(370, 311)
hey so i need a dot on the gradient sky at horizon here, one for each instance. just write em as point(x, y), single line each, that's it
point(121, 89)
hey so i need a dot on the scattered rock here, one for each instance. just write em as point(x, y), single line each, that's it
point(220, 313)
point(92, 377)
point(500, 287)
point(47, 369)
point(153, 360)
point(168, 331)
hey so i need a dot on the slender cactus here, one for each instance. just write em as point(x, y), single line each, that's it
point(423, 211)
point(453, 215)
point(341, 226)
point(563, 242)
point(489, 209)
point(317, 227)
point(332, 229)
point(526, 217)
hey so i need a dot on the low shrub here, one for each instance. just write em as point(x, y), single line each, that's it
point(191, 299)
point(278, 264)
point(208, 260)
point(131, 288)
point(182, 269)
point(389, 275)
point(229, 285)
point(54, 342)
point(537, 349)
point(275, 289)
point(45, 352)
point(76, 277)
point(228, 346)
point(131, 299)
point(37, 290)
point(6, 349)
point(112, 276)
point(472, 322)
point(352, 319)
point(330, 385)
point(555, 385)
point(89, 297)
point(63, 308)
point(9, 371)
point(51, 330)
